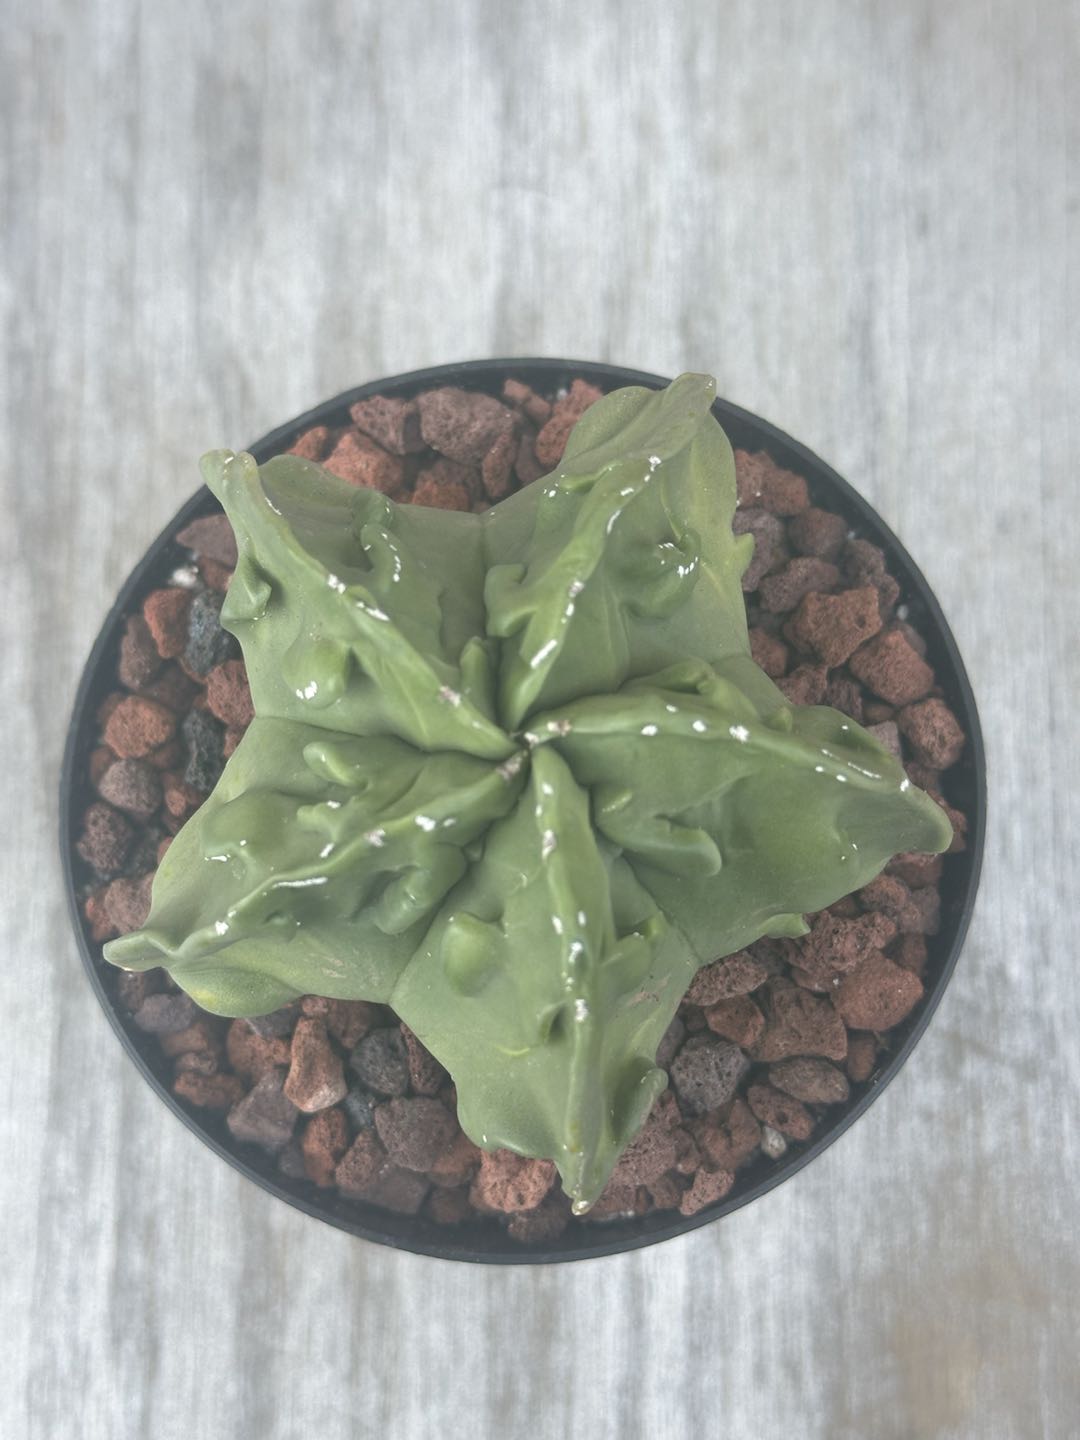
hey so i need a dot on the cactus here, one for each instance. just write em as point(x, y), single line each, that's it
point(515, 774)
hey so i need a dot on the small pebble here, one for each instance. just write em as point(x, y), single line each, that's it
point(133, 786)
point(316, 1078)
point(203, 738)
point(706, 1073)
point(381, 1062)
point(207, 643)
point(166, 1014)
point(265, 1116)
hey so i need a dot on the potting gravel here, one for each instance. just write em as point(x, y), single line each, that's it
point(340, 1092)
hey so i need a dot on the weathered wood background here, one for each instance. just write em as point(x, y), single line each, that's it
point(863, 218)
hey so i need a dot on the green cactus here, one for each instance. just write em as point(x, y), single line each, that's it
point(515, 774)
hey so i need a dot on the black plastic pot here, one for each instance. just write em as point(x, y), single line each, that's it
point(487, 1243)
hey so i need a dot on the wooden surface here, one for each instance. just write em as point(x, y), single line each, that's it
point(863, 218)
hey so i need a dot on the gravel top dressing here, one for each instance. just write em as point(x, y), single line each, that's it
point(340, 1093)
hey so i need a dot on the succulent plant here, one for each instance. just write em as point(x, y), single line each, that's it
point(515, 774)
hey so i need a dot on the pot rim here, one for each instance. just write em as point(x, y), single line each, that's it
point(415, 1233)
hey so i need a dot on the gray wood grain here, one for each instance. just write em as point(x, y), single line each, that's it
point(863, 219)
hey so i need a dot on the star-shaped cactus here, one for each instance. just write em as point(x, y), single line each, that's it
point(515, 774)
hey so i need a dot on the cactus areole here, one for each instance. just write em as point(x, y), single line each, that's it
point(515, 774)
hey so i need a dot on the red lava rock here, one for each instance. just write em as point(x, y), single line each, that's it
point(457, 1164)
point(541, 1226)
point(833, 627)
point(448, 1207)
point(126, 901)
point(348, 1021)
point(888, 737)
point(227, 694)
point(687, 1154)
point(275, 1022)
point(443, 486)
point(761, 482)
point(727, 1144)
point(527, 467)
point(665, 1192)
point(892, 669)
point(845, 694)
point(862, 1053)
point(817, 532)
point(252, 1055)
point(706, 1188)
point(878, 995)
point(649, 1155)
point(395, 1188)
point(934, 732)
point(209, 1092)
point(737, 1019)
point(798, 1023)
point(139, 658)
point(132, 786)
point(290, 1160)
point(201, 1037)
point(463, 425)
point(133, 986)
point(927, 902)
point(166, 1014)
point(174, 690)
point(381, 1061)
point(805, 685)
point(836, 946)
point(616, 1200)
point(566, 412)
point(888, 895)
point(312, 444)
point(216, 576)
point(526, 400)
point(265, 1116)
point(138, 725)
point(415, 1132)
point(670, 1042)
point(197, 1062)
point(357, 459)
point(106, 838)
point(316, 1076)
point(507, 1182)
point(425, 1072)
point(706, 1073)
point(801, 577)
point(811, 1079)
point(323, 1143)
point(392, 422)
point(915, 869)
point(230, 740)
point(180, 799)
point(97, 918)
point(864, 564)
point(769, 543)
point(166, 614)
point(497, 465)
point(782, 1112)
point(211, 538)
point(769, 652)
point(736, 974)
point(910, 952)
point(167, 756)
